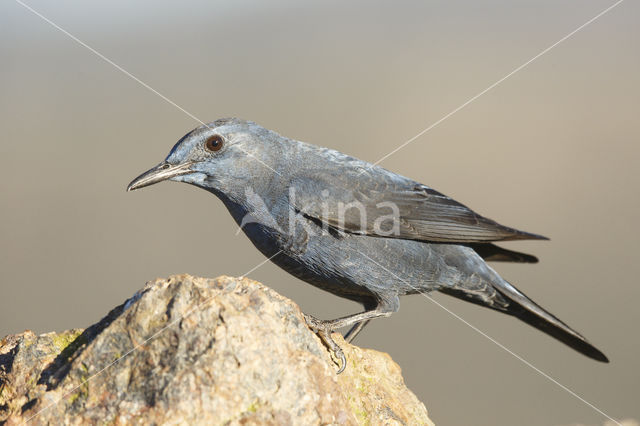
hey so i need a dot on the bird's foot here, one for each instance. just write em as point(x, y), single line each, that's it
point(323, 329)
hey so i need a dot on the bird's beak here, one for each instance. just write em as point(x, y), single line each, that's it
point(162, 171)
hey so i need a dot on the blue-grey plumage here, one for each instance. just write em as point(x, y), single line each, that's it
point(351, 228)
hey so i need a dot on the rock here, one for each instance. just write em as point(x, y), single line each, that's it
point(188, 350)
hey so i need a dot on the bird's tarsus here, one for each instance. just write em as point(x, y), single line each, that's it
point(323, 329)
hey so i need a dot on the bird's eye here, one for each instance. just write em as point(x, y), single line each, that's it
point(214, 143)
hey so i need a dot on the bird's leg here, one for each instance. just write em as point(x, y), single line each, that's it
point(324, 328)
point(353, 331)
point(368, 304)
point(324, 333)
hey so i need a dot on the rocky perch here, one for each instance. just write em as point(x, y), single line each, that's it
point(188, 350)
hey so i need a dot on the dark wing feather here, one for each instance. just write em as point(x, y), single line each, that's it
point(493, 253)
point(367, 203)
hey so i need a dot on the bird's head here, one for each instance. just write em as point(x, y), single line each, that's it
point(222, 156)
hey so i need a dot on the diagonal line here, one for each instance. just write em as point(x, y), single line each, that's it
point(153, 336)
point(127, 73)
point(104, 58)
point(498, 82)
point(193, 117)
point(377, 162)
point(527, 363)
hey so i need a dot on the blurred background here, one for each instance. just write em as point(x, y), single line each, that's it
point(553, 150)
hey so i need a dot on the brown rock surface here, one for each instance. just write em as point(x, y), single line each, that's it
point(188, 350)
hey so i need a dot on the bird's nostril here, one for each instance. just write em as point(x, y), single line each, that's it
point(164, 167)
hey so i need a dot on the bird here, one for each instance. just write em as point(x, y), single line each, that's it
point(353, 228)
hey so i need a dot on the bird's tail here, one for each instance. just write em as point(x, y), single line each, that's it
point(510, 300)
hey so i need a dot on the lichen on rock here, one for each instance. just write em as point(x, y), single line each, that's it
point(198, 351)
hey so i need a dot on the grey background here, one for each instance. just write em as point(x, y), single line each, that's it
point(552, 150)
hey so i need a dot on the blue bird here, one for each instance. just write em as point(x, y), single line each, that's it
point(352, 228)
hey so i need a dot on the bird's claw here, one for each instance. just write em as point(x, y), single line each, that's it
point(343, 359)
point(323, 330)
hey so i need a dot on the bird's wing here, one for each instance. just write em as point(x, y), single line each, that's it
point(377, 202)
point(493, 253)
